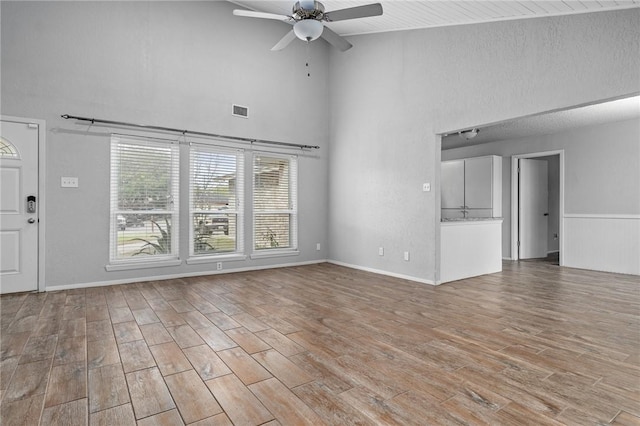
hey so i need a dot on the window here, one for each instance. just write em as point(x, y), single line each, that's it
point(216, 190)
point(144, 199)
point(7, 149)
point(274, 202)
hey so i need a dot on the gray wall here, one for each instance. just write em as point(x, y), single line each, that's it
point(602, 176)
point(174, 64)
point(181, 64)
point(393, 92)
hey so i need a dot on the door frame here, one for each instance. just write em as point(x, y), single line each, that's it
point(41, 191)
point(515, 205)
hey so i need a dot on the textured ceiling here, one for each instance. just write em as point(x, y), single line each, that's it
point(410, 14)
point(553, 122)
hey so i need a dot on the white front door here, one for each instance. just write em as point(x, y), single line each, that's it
point(533, 208)
point(19, 200)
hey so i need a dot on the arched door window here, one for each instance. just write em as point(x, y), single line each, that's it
point(7, 149)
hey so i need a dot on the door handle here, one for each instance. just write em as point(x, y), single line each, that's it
point(546, 214)
point(31, 220)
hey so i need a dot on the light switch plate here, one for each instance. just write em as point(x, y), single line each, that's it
point(68, 182)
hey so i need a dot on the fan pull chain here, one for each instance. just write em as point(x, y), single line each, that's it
point(308, 60)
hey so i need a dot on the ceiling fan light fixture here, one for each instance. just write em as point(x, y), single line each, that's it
point(308, 18)
point(308, 29)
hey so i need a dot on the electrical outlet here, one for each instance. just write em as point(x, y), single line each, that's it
point(426, 187)
point(219, 266)
point(68, 182)
point(381, 251)
point(406, 256)
point(318, 246)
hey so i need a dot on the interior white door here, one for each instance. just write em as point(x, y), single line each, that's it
point(18, 207)
point(533, 212)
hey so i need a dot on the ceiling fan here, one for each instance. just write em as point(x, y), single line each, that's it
point(307, 18)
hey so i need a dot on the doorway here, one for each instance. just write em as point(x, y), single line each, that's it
point(21, 206)
point(537, 228)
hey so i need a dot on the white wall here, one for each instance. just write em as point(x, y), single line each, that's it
point(602, 184)
point(174, 64)
point(393, 92)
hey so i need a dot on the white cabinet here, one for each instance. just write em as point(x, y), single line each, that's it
point(472, 187)
point(453, 191)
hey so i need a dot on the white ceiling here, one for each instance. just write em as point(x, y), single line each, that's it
point(552, 122)
point(410, 14)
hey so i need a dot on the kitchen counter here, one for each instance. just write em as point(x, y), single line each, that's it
point(470, 219)
point(470, 247)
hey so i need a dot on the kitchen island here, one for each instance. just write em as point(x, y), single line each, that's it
point(469, 247)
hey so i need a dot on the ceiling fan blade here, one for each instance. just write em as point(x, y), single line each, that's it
point(307, 4)
point(264, 15)
point(335, 40)
point(374, 9)
point(284, 41)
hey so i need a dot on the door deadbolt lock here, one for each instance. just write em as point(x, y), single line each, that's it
point(31, 204)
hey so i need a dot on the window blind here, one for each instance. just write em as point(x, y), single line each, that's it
point(144, 199)
point(274, 202)
point(216, 195)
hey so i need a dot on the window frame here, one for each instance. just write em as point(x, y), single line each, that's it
point(154, 260)
point(292, 211)
point(238, 211)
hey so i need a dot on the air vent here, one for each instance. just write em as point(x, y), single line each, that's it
point(240, 111)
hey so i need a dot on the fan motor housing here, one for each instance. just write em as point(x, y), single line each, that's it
point(300, 14)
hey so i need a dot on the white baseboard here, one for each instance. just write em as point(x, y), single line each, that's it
point(381, 272)
point(174, 276)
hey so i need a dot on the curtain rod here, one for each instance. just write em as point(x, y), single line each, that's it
point(191, 132)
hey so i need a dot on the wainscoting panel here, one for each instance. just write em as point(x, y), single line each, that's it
point(608, 243)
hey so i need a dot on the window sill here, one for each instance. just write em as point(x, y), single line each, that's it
point(274, 253)
point(126, 266)
point(212, 259)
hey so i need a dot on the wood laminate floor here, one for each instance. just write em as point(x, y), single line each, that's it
point(536, 344)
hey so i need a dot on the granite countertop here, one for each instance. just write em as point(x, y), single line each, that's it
point(469, 219)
